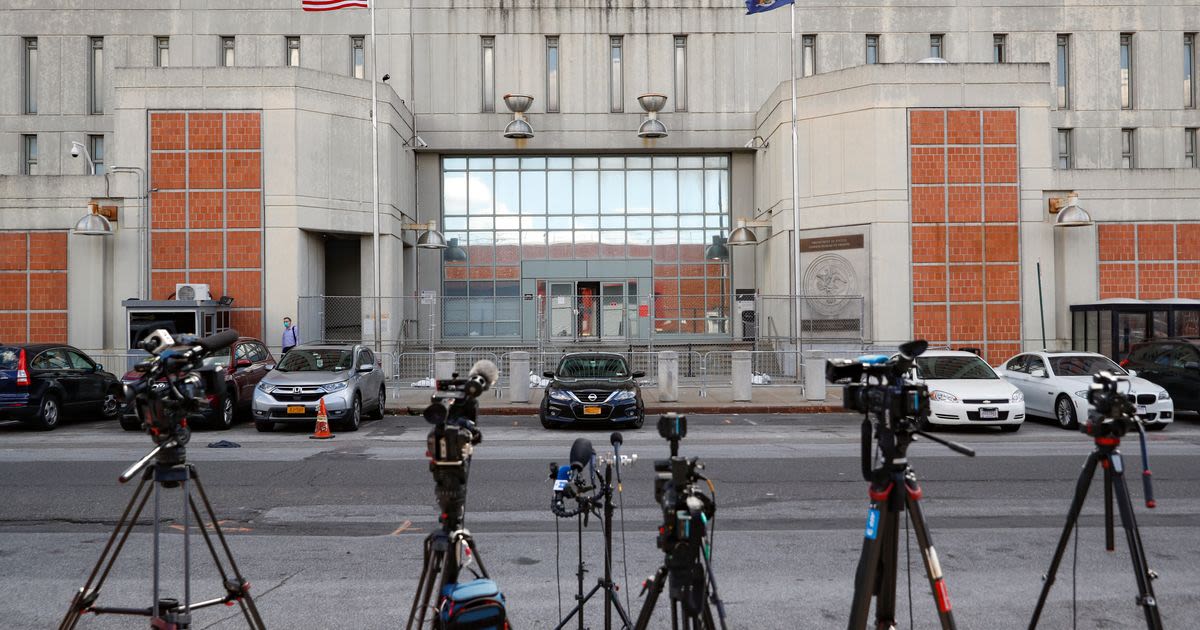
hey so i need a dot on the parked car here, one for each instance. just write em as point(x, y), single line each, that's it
point(40, 384)
point(592, 387)
point(1173, 364)
point(346, 376)
point(1056, 385)
point(243, 365)
point(965, 390)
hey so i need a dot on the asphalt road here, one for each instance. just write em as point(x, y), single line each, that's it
point(330, 532)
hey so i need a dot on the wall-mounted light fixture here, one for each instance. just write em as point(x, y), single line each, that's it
point(430, 237)
point(1070, 213)
point(744, 234)
point(519, 128)
point(96, 222)
point(652, 127)
point(717, 252)
point(454, 253)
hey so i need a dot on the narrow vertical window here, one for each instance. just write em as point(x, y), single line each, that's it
point(1189, 148)
point(681, 78)
point(937, 46)
point(291, 52)
point(96, 76)
point(358, 57)
point(162, 51)
point(1063, 78)
point(227, 52)
point(1128, 149)
point(999, 48)
point(29, 157)
point(809, 59)
point(487, 73)
point(616, 75)
point(552, 73)
point(1189, 70)
point(1126, 70)
point(872, 49)
point(96, 149)
point(31, 74)
point(1065, 158)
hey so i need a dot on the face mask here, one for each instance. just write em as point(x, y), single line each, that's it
point(287, 324)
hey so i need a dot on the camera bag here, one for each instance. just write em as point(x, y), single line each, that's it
point(474, 605)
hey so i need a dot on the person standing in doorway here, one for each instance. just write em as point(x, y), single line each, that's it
point(291, 336)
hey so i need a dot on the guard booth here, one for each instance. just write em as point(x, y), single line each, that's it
point(1111, 327)
point(187, 317)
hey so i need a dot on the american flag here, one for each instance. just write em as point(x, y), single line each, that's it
point(332, 5)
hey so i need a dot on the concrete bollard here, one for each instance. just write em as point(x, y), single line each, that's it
point(443, 365)
point(518, 376)
point(668, 376)
point(740, 369)
point(814, 376)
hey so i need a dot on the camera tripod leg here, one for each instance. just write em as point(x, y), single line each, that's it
point(1109, 539)
point(470, 542)
point(1081, 489)
point(581, 600)
point(933, 568)
point(1137, 554)
point(866, 576)
point(430, 570)
point(237, 589)
point(654, 589)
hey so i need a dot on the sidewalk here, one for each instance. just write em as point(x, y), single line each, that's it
point(766, 399)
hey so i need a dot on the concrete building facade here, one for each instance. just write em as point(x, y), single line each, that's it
point(924, 188)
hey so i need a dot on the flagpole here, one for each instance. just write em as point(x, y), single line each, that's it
point(796, 267)
point(375, 182)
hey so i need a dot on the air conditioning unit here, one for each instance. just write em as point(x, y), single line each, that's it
point(189, 292)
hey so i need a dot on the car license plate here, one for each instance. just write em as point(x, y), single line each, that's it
point(591, 411)
point(295, 408)
point(1142, 409)
point(989, 413)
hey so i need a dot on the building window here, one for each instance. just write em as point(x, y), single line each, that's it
point(291, 52)
point(809, 58)
point(937, 46)
point(681, 78)
point(552, 73)
point(1065, 157)
point(1189, 70)
point(872, 49)
point(616, 75)
point(226, 59)
point(1189, 148)
point(1126, 70)
point(1128, 149)
point(999, 48)
point(1063, 78)
point(29, 154)
point(96, 149)
point(487, 71)
point(30, 74)
point(358, 57)
point(162, 51)
point(96, 76)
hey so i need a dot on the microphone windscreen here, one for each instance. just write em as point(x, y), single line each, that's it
point(485, 369)
point(218, 341)
point(616, 438)
point(581, 453)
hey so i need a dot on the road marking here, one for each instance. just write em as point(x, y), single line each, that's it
point(209, 526)
point(749, 421)
point(404, 527)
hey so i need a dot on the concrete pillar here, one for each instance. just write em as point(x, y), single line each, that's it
point(814, 376)
point(518, 376)
point(443, 365)
point(668, 376)
point(740, 370)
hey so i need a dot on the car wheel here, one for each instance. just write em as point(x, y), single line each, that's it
point(352, 423)
point(110, 407)
point(264, 426)
point(1064, 412)
point(1155, 426)
point(641, 420)
point(378, 415)
point(1010, 428)
point(131, 423)
point(546, 424)
point(923, 424)
point(49, 413)
point(224, 421)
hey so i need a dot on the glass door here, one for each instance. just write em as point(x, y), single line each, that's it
point(562, 311)
point(613, 323)
point(589, 311)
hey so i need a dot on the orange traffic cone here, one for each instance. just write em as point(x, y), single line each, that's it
point(322, 432)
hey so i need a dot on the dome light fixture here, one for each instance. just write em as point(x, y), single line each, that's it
point(454, 253)
point(519, 128)
point(430, 238)
point(717, 252)
point(1072, 214)
point(652, 127)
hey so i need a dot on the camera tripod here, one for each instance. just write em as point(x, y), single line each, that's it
point(1109, 458)
point(169, 469)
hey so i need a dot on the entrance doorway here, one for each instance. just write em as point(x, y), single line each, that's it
point(591, 310)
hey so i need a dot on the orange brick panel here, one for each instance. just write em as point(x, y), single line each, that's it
point(1004, 322)
point(204, 131)
point(1000, 203)
point(168, 210)
point(964, 164)
point(242, 170)
point(248, 323)
point(587, 250)
point(243, 209)
point(456, 273)
point(168, 170)
point(13, 250)
point(606, 251)
point(928, 204)
point(163, 283)
point(1155, 241)
point(1115, 241)
point(691, 253)
point(245, 287)
point(1000, 127)
point(1189, 280)
point(664, 253)
point(928, 165)
point(481, 254)
point(1000, 165)
point(242, 130)
point(508, 273)
point(929, 283)
point(964, 127)
point(929, 322)
point(508, 254)
point(529, 252)
point(998, 353)
point(214, 279)
point(927, 127)
point(691, 271)
point(966, 283)
point(966, 243)
point(1000, 243)
point(13, 327)
point(481, 273)
point(966, 322)
point(244, 250)
point(206, 250)
point(167, 251)
point(928, 243)
point(965, 205)
point(1156, 281)
point(167, 131)
point(48, 327)
point(690, 287)
point(1003, 282)
point(204, 170)
point(1118, 280)
point(48, 291)
point(48, 250)
point(14, 295)
point(1187, 241)
point(205, 211)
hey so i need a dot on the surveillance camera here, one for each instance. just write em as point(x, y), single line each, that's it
point(386, 77)
point(74, 150)
point(420, 142)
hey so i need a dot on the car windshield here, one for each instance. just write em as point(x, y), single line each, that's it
point(217, 361)
point(935, 368)
point(592, 367)
point(1083, 366)
point(316, 360)
point(9, 358)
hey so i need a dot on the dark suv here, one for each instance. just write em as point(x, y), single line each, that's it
point(592, 387)
point(1173, 364)
point(41, 383)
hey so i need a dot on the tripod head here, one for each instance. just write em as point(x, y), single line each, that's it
point(452, 412)
point(1112, 412)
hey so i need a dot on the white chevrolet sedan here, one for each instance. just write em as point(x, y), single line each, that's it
point(1056, 385)
point(965, 390)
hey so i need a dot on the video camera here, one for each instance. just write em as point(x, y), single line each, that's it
point(1112, 413)
point(174, 382)
point(453, 411)
point(877, 385)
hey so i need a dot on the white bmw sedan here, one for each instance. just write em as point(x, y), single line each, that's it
point(1056, 385)
point(965, 390)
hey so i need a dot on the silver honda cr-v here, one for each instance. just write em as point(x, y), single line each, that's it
point(345, 376)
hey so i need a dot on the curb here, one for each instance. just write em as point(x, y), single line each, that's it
point(687, 409)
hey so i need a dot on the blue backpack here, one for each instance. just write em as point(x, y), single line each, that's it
point(474, 605)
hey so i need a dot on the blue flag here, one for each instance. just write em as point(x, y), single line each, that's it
point(759, 6)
